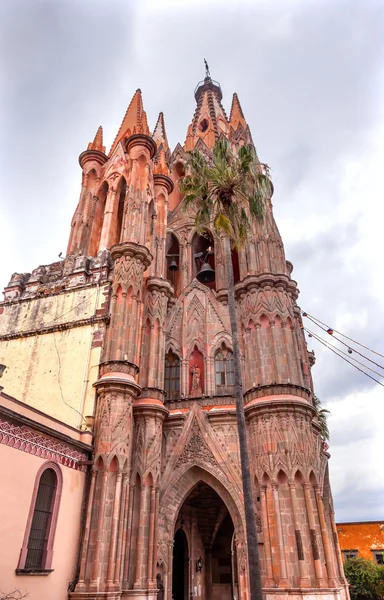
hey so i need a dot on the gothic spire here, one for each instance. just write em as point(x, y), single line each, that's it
point(135, 120)
point(209, 121)
point(97, 143)
point(163, 152)
point(159, 134)
point(236, 116)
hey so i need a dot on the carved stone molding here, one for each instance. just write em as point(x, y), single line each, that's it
point(140, 139)
point(25, 439)
point(282, 389)
point(118, 366)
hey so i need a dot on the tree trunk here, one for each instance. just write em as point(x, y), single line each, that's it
point(249, 507)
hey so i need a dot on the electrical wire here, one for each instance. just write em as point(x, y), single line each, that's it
point(305, 314)
point(59, 380)
point(341, 341)
point(346, 360)
point(320, 339)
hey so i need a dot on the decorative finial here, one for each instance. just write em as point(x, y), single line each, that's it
point(207, 73)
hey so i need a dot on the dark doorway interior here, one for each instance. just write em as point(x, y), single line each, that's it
point(180, 567)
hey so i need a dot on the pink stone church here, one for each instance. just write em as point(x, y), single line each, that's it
point(119, 454)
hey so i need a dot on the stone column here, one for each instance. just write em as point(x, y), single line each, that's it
point(267, 543)
point(149, 413)
point(304, 579)
point(121, 543)
point(109, 212)
point(283, 583)
point(337, 548)
point(87, 527)
point(312, 534)
point(324, 534)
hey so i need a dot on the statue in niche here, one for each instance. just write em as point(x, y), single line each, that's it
point(160, 587)
point(196, 381)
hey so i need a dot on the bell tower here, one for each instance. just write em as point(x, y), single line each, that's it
point(165, 507)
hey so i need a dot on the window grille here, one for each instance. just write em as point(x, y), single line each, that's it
point(41, 521)
point(350, 554)
point(224, 371)
point(172, 375)
point(378, 556)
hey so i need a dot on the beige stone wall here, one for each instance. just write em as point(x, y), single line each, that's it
point(53, 371)
point(19, 469)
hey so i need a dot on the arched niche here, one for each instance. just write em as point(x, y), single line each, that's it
point(196, 373)
point(173, 256)
point(118, 222)
point(177, 172)
point(98, 220)
point(203, 249)
point(235, 265)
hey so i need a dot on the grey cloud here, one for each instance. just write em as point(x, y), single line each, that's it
point(307, 73)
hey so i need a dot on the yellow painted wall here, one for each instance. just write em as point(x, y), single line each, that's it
point(54, 371)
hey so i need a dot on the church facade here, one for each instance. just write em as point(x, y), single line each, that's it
point(118, 405)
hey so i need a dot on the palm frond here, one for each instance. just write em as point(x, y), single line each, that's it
point(226, 192)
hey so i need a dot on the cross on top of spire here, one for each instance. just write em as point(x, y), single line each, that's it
point(207, 73)
point(208, 84)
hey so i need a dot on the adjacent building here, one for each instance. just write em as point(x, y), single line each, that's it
point(364, 539)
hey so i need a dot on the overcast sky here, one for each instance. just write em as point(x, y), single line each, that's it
point(310, 78)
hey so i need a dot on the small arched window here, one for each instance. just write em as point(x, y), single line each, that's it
point(224, 371)
point(36, 553)
point(172, 375)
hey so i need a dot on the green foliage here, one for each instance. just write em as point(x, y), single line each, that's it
point(366, 579)
point(322, 417)
point(225, 191)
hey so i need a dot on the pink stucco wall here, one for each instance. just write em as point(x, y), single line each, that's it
point(17, 478)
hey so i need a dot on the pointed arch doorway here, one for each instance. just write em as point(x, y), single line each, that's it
point(204, 558)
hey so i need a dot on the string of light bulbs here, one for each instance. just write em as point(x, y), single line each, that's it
point(337, 352)
point(331, 332)
point(320, 339)
point(315, 319)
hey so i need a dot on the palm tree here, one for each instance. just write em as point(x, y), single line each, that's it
point(224, 193)
point(322, 417)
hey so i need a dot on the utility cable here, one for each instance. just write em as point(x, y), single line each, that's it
point(330, 332)
point(348, 361)
point(320, 339)
point(305, 314)
point(59, 381)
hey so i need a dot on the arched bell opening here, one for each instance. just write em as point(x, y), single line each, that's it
point(204, 560)
point(203, 258)
point(173, 262)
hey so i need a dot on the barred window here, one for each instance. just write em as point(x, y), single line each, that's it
point(378, 556)
point(172, 375)
point(224, 371)
point(38, 537)
point(37, 550)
